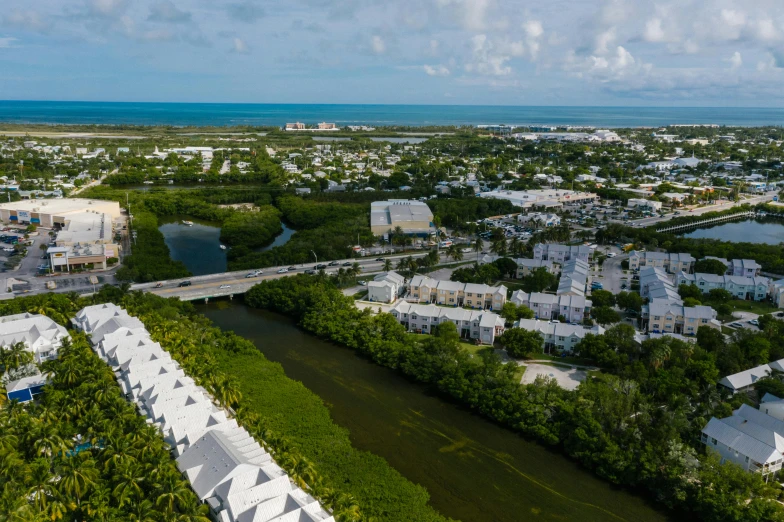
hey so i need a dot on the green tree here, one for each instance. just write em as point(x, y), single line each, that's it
point(605, 315)
point(710, 266)
point(629, 301)
point(692, 291)
point(521, 343)
point(602, 298)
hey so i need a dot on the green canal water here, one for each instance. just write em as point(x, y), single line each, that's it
point(473, 469)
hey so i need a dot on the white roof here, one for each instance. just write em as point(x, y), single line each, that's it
point(748, 377)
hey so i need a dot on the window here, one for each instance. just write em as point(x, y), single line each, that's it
point(714, 441)
point(469, 294)
point(656, 317)
point(747, 460)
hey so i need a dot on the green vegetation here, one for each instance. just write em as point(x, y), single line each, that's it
point(710, 266)
point(251, 229)
point(635, 425)
point(521, 343)
point(149, 259)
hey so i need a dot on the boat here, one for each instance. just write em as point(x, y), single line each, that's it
point(223, 247)
point(187, 223)
point(149, 182)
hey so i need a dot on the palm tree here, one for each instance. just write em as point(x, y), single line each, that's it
point(387, 265)
point(478, 246)
point(40, 483)
point(227, 391)
point(77, 475)
point(172, 492)
point(355, 269)
point(301, 471)
point(15, 356)
point(130, 478)
point(48, 442)
point(346, 508)
point(142, 511)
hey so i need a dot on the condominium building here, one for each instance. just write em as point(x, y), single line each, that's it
point(525, 266)
point(575, 275)
point(40, 335)
point(656, 284)
point(753, 288)
point(561, 253)
point(665, 316)
point(423, 289)
point(739, 267)
point(471, 324)
point(671, 262)
point(573, 308)
point(386, 287)
point(560, 336)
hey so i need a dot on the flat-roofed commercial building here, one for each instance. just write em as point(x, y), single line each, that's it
point(55, 213)
point(542, 198)
point(414, 217)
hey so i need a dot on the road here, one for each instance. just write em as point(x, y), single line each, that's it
point(611, 275)
point(237, 282)
point(93, 183)
point(754, 200)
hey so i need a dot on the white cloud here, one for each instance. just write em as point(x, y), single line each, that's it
point(735, 60)
point(534, 31)
point(654, 31)
point(29, 20)
point(471, 14)
point(240, 46)
point(489, 58)
point(7, 42)
point(436, 70)
point(378, 45)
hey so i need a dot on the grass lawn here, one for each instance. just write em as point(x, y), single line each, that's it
point(468, 346)
point(566, 360)
point(752, 306)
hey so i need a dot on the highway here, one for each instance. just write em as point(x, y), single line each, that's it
point(754, 200)
point(232, 283)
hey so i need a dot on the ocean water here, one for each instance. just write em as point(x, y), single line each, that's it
point(232, 114)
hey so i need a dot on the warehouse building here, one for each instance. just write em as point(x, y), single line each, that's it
point(414, 217)
point(56, 213)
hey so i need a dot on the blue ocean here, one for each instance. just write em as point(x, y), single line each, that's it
point(232, 114)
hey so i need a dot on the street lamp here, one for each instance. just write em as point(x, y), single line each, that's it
point(314, 255)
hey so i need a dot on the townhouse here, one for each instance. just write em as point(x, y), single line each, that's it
point(656, 284)
point(671, 262)
point(481, 326)
point(753, 288)
point(40, 335)
point(573, 308)
point(665, 316)
point(739, 267)
point(743, 381)
point(558, 336)
point(749, 438)
point(423, 289)
point(386, 287)
point(561, 253)
point(575, 275)
point(525, 266)
point(227, 468)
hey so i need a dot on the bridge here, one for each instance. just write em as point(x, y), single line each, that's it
point(719, 219)
point(229, 284)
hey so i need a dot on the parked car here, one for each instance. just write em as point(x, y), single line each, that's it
point(754, 322)
point(184, 283)
point(283, 270)
point(736, 325)
point(362, 283)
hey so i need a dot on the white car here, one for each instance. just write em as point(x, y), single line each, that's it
point(8, 249)
point(612, 254)
point(283, 270)
point(362, 283)
point(224, 287)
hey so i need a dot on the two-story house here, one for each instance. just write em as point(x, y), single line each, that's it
point(561, 253)
point(664, 316)
point(385, 287)
point(423, 289)
point(558, 336)
point(747, 288)
point(573, 308)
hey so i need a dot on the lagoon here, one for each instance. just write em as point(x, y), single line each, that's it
point(749, 231)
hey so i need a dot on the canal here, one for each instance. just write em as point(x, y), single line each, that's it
point(473, 469)
point(770, 231)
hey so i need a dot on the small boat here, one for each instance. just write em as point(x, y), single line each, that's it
point(149, 182)
point(187, 223)
point(223, 247)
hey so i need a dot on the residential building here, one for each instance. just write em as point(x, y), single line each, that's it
point(743, 381)
point(741, 287)
point(227, 468)
point(26, 389)
point(773, 406)
point(656, 284)
point(671, 262)
point(326, 126)
point(525, 266)
point(479, 325)
point(558, 336)
point(739, 267)
point(665, 316)
point(561, 253)
point(423, 289)
point(386, 287)
point(573, 308)
point(41, 336)
point(295, 126)
point(749, 438)
point(776, 292)
point(575, 274)
point(413, 217)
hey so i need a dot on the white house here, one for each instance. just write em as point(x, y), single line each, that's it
point(573, 308)
point(385, 288)
point(742, 381)
point(561, 253)
point(423, 289)
point(671, 262)
point(40, 335)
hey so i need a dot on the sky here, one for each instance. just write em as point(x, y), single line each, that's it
point(484, 52)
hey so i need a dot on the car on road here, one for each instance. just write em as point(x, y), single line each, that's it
point(310, 271)
point(362, 283)
point(292, 268)
point(8, 249)
point(380, 259)
point(347, 263)
point(334, 263)
point(321, 267)
point(184, 283)
point(159, 285)
point(755, 322)
point(255, 273)
point(736, 325)
point(224, 287)
point(612, 254)
point(283, 270)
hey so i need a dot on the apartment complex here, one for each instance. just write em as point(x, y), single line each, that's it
point(386, 287)
point(739, 267)
point(479, 325)
point(670, 262)
point(41, 336)
point(561, 253)
point(525, 266)
point(753, 288)
point(573, 308)
point(560, 336)
point(423, 289)
point(575, 274)
point(656, 284)
point(665, 316)
point(227, 468)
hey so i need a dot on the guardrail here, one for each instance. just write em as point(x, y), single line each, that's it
point(702, 222)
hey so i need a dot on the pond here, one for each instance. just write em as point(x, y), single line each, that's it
point(748, 231)
point(280, 239)
point(197, 246)
point(473, 469)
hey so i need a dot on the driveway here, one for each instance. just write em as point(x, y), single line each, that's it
point(611, 275)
